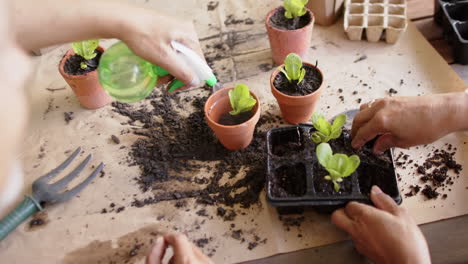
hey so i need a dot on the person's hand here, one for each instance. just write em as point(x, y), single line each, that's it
point(184, 251)
point(149, 35)
point(409, 121)
point(386, 234)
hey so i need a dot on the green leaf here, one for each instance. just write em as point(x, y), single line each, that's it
point(337, 165)
point(328, 178)
point(86, 49)
point(83, 65)
point(293, 66)
point(294, 8)
point(316, 137)
point(241, 100)
point(351, 165)
point(324, 154)
point(339, 122)
point(301, 76)
point(281, 69)
point(316, 116)
point(323, 126)
point(336, 186)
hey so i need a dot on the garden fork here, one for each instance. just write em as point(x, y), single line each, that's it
point(48, 193)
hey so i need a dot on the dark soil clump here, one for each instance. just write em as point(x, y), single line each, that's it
point(115, 139)
point(429, 192)
point(311, 82)
point(227, 119)
point(278, 20)
point(73, 65)
point(68, 116)
point(212, 5)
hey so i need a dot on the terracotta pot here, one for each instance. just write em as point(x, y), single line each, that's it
point(86, 87)
point(296, 109)
point(326, 12)
point(283, 42)
point(232, 137)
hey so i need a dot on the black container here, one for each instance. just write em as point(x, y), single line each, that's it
point(453, 16)
point(298, 162)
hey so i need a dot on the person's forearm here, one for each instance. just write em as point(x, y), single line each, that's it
point(43, 23)
point(457, 111)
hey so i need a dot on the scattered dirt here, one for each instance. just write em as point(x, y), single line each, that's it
point(363, 57)
point(291, 221)
point(436, 173)
point(231, 20)
point(278, 20)
point(266, 67)
point(115, 139)
point(392, 91)
point(68, 116)
point(311, 82)
point(39, 220)
point(73, 65)
point(172, 145)
point(212, 5)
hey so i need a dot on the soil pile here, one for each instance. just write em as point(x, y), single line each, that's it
point(173, 144)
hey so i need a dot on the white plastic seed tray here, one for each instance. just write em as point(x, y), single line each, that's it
point(375, 19)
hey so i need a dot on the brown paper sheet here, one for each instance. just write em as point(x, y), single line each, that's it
point(76, 231)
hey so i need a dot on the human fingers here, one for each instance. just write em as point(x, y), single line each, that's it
point(384, 142)
point(157, 252)
point(181, 246)
point(383, 201)
point(361, 119)
point(342, 221)
point(376, 126)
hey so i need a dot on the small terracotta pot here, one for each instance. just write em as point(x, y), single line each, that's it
point(232, 137)
point(283, 42)
point(86, 87)
point(296, 109)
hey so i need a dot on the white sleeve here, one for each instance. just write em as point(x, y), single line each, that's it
point(12, 189)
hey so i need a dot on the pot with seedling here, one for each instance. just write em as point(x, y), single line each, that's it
point(232, 114)
point(78, 68)
point(297, 87)
point(289, 29)
point(314, 165)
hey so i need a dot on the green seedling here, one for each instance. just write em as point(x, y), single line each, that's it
point(337, 165)
point(241, 100)
point(294, 8)
point(86, 49)
point(293, 68)
point(326, 131)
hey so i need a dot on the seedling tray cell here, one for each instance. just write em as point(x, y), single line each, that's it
point(295, 178)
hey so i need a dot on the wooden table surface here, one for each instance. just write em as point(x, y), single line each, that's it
point(447, 239)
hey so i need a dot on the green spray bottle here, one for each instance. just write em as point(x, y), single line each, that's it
point(128, 78)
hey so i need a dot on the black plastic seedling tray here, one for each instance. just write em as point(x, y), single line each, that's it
point(453, 16)
point(293, 181)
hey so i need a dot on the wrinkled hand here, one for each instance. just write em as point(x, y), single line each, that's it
point(184, 251)
point(149, 35)
point(386, 234)
point(409, 121)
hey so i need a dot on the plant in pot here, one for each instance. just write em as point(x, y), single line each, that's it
point(78, 68)
point(289, 29)
point(303, 170)
point(232, 114)
point(297, 87)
